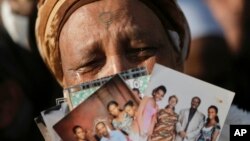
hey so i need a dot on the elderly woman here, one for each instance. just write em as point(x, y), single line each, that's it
point(82, 40)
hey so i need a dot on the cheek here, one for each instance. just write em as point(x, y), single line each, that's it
point(158, 96)
point(131, 112)
point(173, 103)
point(112, 112)
point(70, 79)
point(116, 110)
point(78, 134)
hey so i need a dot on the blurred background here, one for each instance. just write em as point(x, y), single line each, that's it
point(219, 54)
point(26, 85)
point(220, 46)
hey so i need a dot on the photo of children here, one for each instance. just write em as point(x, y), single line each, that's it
point(106, 103)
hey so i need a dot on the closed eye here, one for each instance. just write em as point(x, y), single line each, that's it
point(141, 54)
point(92, 66)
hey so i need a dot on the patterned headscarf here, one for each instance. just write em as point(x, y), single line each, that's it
point(52, 15)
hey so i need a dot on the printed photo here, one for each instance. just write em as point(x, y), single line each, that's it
point(108, 112)
point(174, 107)
point(51, 116)
point(136, 78)
point(184, 108)
point(42, 128)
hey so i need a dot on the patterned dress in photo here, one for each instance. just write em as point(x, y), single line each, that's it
point(164, 129)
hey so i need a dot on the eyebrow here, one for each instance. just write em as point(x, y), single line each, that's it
point(88, 53)
point(92, 48)
point(136, 34)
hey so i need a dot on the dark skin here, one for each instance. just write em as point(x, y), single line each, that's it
point(194, 104)
point(102, 130)
point(212, 114)
point(101, 39)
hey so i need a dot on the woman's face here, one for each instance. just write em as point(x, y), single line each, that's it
point(80, 134)
point(102, 39)
point(158, 95)
point(172, 102)
point(130, 110)
point(211, 113)
point(114, 110)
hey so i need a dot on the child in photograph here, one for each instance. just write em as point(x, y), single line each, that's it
point(147, 111)
point(211, 129)
point(164, 129)
point(121, 120)
point(106, 134)
point(131, 109)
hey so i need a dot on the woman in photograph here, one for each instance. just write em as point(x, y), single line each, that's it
point(164, 129)
point(147, 111)
point(121, 120)
point(211, 129)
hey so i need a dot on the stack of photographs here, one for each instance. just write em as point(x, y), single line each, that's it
point(165, 105)
point(136, 79)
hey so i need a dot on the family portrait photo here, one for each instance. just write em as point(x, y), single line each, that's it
point(190, 109)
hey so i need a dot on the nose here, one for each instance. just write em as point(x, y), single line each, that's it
point(116, 64)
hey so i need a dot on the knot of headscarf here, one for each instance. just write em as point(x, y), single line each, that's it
point(52, 14)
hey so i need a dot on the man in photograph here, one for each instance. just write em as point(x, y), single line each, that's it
point(109, 135)
point(190, 122)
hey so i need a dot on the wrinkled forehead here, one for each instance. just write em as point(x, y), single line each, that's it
point(116, 9)
point(106, 13)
